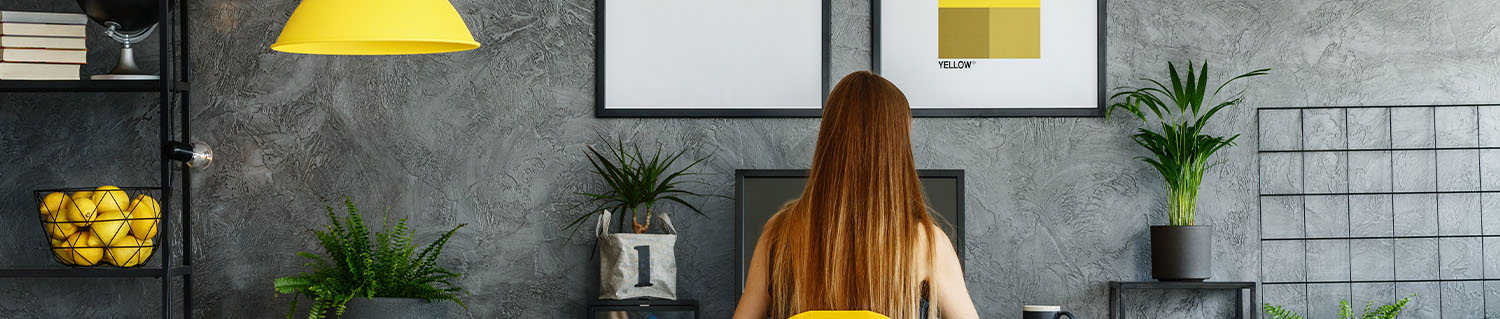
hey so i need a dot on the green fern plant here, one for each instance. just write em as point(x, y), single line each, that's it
point(638, 183)
point(1277, 312)
point(1180, 148)
point(352, 266)
point(1388, 311)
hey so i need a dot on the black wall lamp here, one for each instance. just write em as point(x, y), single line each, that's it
point(198, 155)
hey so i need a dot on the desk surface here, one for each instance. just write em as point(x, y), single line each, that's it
point(647, 303)
point(1182, 284)
point(650, 305)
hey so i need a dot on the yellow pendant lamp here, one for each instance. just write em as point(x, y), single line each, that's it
point(374, 27)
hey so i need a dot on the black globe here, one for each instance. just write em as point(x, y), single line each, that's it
point(132, 15)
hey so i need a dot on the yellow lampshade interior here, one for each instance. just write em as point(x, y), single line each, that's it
point(374, 27)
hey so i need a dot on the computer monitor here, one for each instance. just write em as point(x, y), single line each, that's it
point(759, 193)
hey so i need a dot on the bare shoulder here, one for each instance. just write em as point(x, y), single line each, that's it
point(950, 291)
point(938, 245)
point(940, 237)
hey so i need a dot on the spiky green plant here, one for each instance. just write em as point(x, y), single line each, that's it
point(351, 266)
point(1180, 147)
point(1388, 311)
point(1277, 312)
point(638, 183)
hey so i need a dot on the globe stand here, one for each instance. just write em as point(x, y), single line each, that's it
point(126, 68)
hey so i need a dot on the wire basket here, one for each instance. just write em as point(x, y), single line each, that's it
point(100, 226)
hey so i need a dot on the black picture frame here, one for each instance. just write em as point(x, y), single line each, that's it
point(600, 111)
point(739, 209)
point(1005, 112)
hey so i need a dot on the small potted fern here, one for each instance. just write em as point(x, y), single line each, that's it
point(386, 278)
point(1181, 250)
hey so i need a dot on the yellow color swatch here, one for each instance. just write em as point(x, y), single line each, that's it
point(989, 29)
point(989, 3)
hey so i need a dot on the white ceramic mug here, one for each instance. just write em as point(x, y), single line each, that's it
point(1044, 312)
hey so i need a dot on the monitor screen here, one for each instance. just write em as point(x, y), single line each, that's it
point(760, 193)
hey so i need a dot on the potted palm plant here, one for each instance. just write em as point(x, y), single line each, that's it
point(385, 278)
point(637, 264)
point(1181, 250)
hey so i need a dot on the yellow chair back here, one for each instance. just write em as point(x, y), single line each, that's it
point(839, 315)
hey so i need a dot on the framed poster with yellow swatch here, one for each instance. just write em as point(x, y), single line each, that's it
point(993, 58)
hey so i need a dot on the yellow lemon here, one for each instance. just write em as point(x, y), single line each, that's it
point(144, 212)
point(53, 203)
point(84, 194)
point(128, 251)
point(81, 211)
point(110, 198)
point(76, 239)
point(110, 226)
point(86, 249)
point(147, 247)
point(64, 255)
point(58, 227)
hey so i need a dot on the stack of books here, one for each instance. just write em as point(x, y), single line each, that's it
point(42, 45)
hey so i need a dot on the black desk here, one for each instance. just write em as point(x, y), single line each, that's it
point(597, 306)
point(1117, 293)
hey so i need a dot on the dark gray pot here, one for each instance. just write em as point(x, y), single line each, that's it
point(394, 308)
point(1182, 253)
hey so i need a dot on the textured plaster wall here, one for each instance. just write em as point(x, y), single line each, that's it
point(493, 138)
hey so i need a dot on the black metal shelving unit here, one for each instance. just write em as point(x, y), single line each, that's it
point(172, 91)
point(84, 86)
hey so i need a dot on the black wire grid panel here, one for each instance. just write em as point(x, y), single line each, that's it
point(1379, 138)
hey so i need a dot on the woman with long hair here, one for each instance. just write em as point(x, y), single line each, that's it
point(860, 237)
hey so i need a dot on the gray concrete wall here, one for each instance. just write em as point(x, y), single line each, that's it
point(494, 137)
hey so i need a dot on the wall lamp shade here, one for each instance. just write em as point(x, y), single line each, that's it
point(374, 27)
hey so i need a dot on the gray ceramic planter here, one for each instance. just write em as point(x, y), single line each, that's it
point(1182, 253)
point(393, 308)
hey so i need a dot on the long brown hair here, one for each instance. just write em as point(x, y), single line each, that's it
point(850, 241)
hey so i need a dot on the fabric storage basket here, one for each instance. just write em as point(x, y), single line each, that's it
point(637, 265)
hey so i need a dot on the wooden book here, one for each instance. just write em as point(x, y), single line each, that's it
point(39, 71)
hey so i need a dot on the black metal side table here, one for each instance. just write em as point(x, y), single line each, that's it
point(644, 305)
point(1117, 293)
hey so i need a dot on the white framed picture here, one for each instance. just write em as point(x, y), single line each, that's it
point(715, 58)
point(993, 58)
